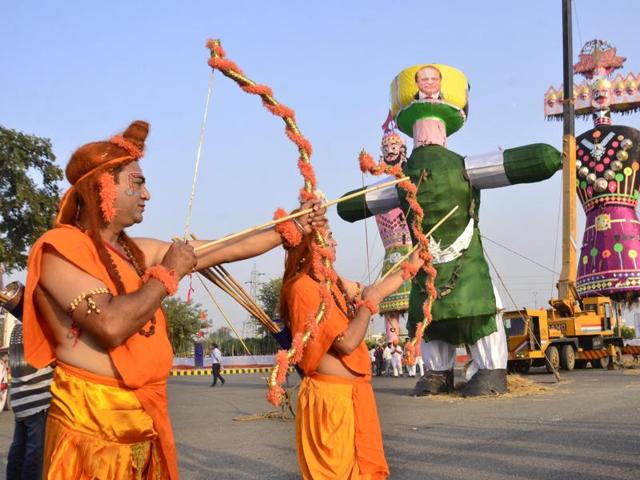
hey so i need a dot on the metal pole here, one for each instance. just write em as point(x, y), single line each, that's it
point(566, 284)
point(568, 118)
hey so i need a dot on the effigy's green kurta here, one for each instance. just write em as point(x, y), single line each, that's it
point(465, 309)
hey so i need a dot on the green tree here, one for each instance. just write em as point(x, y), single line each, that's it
point(29, 195)
point(264, 343)
point(230, 345)
point(627, 332)
point(221, 335)
point(269, 299)
point(184, 322)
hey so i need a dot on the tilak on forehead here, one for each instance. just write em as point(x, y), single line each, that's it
point(135, 181)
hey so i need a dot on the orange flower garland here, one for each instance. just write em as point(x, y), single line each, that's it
point(410, 353)
point(297, 344)
point(408, 270)
point(368, 304)
point(129, 146)
point(312, 327)
point(107, 192)
point(283, 362)
point(163, 275)
point(322, 257)
point(290, 234)
point(412, 343)
point(368, 165)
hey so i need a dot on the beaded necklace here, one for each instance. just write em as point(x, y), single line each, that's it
point(132, 260)
point(348, 312)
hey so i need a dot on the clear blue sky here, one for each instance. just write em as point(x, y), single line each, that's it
point(81, 71)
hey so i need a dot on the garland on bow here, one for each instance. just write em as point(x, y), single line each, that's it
point(410, 346)
point(369, 165)
point(322, 257)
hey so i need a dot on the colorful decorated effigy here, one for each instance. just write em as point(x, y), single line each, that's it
point(396, 240)
point(452, 298)
point(607, 164)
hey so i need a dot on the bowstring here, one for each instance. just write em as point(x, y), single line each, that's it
point(198, 156)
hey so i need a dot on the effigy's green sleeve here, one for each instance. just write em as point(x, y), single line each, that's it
point(525, 164)
point(367, 205)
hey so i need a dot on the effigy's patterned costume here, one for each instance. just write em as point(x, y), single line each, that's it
point(607, 164)
point(396, 239)
point(608, 263)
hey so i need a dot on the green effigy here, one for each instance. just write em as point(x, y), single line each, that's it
point(465, 308)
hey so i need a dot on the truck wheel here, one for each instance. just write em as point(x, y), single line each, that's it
point(601, 362)
point(553, 357)
point(522, 366)
point(618, 358)
point(567, 358)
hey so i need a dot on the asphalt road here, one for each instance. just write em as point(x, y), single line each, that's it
point(586, 427)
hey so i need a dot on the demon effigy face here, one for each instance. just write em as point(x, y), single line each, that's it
point(601, 94)
point(394, 151)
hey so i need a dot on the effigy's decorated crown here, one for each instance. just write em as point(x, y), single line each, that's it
point(597, 63)
point(429, 90)
point(391, 138)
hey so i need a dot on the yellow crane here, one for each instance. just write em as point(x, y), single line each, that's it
point(574, 331)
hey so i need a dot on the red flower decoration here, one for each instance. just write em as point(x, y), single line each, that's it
point(408, 270)
point(129, 146)
point(107, 192)
point(290, 234)
point(367, 164)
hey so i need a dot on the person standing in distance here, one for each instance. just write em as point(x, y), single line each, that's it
point(216, 355)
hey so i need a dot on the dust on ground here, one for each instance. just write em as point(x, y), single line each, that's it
point(518, 386)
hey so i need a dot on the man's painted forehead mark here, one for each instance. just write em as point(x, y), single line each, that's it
point(135, 181)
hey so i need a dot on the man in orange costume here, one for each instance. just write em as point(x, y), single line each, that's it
point(337, 429)
point(92, 305)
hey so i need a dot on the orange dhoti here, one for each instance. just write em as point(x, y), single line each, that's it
point(97, 429)
point(337, 430)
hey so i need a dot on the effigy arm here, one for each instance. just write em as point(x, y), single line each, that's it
point(526, 164)
point(372, 203)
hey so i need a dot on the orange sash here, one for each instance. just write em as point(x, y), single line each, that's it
point(304, 301)
point(142, 362)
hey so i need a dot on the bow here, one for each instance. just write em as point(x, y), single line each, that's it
point(323, 268)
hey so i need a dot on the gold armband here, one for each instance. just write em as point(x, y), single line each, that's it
point(88, 297)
